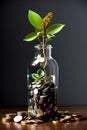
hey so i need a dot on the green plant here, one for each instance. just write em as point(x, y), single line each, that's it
point(39, 76)
point(42, 33)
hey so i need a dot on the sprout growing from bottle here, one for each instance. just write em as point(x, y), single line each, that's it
point(43, 33)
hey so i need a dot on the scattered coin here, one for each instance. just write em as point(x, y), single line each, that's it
point(38, 116)
point(35, 121)
point(61, 120)
point(17, 118)
point(67, 117)
point(5, 120)
point(10, 116)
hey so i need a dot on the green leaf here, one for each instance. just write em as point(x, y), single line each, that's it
point(41, 73)
point(38, 30)
point(49, 37)
point(31, 36)
point(55, 28)
point(35, 76)
point(38, 81)
point(35, 19)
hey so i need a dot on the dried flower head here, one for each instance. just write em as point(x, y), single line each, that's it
point(47, 19)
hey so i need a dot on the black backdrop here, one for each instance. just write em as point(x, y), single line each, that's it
point(69, 49)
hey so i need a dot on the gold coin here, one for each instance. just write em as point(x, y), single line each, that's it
point(39, 112)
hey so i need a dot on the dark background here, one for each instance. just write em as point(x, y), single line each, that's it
point(69, 49)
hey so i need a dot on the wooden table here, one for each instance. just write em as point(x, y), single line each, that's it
point(80, 125)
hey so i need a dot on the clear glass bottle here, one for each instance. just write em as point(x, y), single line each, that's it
point(42, 83)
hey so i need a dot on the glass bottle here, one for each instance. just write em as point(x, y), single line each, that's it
point(42, 83)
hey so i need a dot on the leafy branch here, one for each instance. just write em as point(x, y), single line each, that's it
point(41, 30)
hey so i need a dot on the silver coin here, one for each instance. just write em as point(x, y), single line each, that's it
point(17, 118)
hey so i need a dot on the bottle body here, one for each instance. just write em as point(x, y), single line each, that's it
point(42, 83)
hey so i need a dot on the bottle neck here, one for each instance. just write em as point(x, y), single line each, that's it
point(39, 51)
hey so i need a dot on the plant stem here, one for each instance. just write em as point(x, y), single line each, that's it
point(44, 52)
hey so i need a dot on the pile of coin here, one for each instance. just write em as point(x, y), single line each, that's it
point(65, 116)
point(38, 117)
